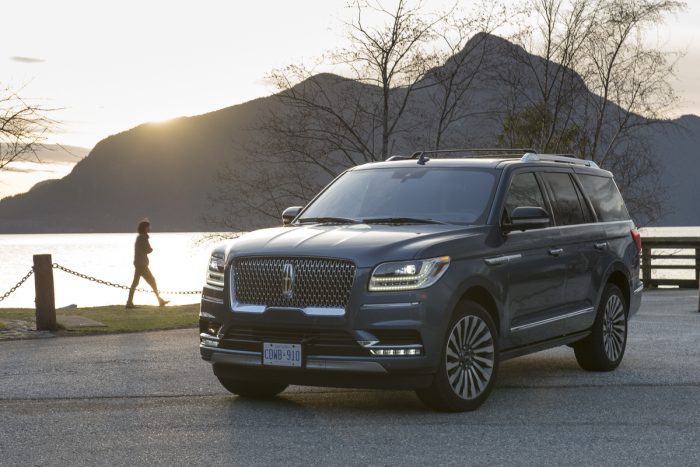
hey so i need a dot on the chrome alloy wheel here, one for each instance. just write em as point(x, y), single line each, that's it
point(614, 328)
point(469, 357)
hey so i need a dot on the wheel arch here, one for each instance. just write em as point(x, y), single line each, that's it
point(482, 294)
point(617, 275)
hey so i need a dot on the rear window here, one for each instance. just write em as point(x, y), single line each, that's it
point(566, 203)
point(606, 198)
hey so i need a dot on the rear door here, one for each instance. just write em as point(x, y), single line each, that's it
point(580, 244)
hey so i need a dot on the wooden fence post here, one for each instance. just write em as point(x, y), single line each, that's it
point(43, 286)
point(646, 267)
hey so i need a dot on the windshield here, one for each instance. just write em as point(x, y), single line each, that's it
point(452, 195)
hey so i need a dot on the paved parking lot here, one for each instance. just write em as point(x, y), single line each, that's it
point(148, 399)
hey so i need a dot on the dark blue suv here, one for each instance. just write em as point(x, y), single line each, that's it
point(424, 273)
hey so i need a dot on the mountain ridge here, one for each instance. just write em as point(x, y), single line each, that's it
point(167, 171)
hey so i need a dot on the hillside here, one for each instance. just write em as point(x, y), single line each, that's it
point(168, 171)
point(51, 161)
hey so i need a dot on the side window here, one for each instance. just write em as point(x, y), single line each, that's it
point(524, 191)
point(605, 197)
point(566, 203)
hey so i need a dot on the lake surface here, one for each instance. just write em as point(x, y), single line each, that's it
point(178, 262)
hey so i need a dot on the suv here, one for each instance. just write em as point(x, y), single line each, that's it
point(425, 273)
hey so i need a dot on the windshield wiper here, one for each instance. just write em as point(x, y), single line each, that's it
point(327, 220)
point(400, 220)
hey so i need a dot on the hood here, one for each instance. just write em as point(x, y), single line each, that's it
point(366, 245)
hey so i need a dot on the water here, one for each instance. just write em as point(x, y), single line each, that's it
point(178, 262)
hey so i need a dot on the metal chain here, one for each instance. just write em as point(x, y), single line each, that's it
point(120, 286)
point(19, 284)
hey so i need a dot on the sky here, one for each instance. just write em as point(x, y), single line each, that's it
point(111, 65)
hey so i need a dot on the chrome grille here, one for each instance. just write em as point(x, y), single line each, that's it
point(317, 283)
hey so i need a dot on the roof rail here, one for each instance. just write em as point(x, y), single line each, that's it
point(563, 158)
point(472, 153)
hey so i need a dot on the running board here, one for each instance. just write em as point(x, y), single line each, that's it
point(542, 345)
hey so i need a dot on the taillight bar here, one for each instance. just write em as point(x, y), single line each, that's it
point(637, 237)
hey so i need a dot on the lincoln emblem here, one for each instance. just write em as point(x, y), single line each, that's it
point(288, 277)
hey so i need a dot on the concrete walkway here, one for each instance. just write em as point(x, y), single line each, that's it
point(148, 399)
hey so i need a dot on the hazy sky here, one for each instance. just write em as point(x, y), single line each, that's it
point(111, 65)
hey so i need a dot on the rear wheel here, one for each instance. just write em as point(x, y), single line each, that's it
point(251, 389)
point(469, 362)
point(604, 348)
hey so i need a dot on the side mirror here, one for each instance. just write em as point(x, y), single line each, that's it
point(526, 218)
point(289, 214)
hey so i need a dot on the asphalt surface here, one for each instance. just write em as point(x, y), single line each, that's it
point(148, 399)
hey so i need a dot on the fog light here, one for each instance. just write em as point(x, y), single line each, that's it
point(209, 342)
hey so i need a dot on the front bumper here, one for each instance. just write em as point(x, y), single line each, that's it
point(380, 340)
point(327, 371)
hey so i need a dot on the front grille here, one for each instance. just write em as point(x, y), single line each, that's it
point(318, 282)
point(315, 341)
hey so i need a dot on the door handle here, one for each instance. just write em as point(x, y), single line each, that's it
point(600, 245)
point(556, 251)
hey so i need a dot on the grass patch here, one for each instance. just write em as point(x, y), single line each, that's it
point(118, 319)
point(2, 326)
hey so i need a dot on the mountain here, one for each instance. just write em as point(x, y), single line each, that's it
point(168, 171)
point(50, 161)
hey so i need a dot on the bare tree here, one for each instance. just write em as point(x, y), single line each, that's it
point(23, 127)
point(465, 59)
point(597, 87)
point(324, 123)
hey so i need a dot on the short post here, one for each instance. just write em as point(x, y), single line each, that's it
point(646, 267)
point(43, 286)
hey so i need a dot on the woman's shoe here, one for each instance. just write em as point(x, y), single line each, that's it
point(163, 302)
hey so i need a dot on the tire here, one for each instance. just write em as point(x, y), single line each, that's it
point(251, 389)
point(604, 348)
point(467, 372)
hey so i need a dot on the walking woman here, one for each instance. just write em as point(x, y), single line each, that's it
point(142, 248)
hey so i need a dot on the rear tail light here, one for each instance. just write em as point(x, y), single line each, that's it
point(636, 236)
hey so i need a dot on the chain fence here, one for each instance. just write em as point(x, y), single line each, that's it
point(96, 280)
point(19, 284)
point(122, 286)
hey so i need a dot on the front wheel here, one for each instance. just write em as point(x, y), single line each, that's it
point(251, 389)
point(604, 348)
point(469, 362)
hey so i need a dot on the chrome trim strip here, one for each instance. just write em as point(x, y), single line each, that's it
point(236, 357)
point(204, 314)
point(321, 363)
point(523, 327)
point(323, 311)
point(373, 306)
point(498, 260)
point(639, 289)
point(382, 347)
point(240, 357)
point(207, 298)
point(242, 308)
point(310, 311)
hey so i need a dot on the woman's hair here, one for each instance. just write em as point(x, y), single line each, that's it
point(143, 225)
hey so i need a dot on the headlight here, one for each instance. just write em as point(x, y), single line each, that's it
point(408, 275)
point(215, 271)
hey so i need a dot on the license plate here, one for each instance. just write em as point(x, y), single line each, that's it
point(281, 354)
